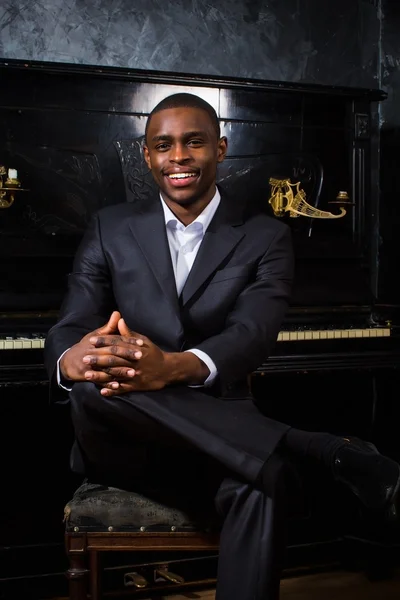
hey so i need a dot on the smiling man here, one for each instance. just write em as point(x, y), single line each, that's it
point(172, 302)
point(182, 150)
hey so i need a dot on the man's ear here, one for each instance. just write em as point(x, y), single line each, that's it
point(146, 155)
point(222, 149)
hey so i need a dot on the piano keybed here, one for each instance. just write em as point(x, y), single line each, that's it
point(333, 334)
point(22, 343)
point(37, 342)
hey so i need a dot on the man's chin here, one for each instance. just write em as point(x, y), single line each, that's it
point(182, 199)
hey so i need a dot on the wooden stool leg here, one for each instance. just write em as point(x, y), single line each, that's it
point(95, 575)
point(77, 576)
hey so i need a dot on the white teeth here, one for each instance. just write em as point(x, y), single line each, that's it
point(181, 175)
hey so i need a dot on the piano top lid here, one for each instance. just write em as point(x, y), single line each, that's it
point(171, 77)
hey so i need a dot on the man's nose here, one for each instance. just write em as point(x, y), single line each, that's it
point(179, 153)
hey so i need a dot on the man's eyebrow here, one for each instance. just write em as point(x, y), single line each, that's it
point(190, 134)
point(165, 137)
point(162, 137)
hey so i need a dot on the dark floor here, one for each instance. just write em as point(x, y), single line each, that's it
point(337, 585)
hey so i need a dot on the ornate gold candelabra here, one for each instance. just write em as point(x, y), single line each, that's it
point(9, 185)
point(287, 197)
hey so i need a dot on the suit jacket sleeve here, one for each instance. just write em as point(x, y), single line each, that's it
point(253, 324)
point(87, 306)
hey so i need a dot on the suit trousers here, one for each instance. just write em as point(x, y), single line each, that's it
point(206, 454)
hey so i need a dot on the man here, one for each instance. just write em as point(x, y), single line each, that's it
point(171, 304)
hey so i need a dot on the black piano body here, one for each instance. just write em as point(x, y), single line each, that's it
point(74, 135)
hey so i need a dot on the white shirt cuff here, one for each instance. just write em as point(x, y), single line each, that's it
point(209, 363)
point(60, 378)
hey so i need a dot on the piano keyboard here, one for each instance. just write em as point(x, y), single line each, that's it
point(333, 334)
point(22, 343)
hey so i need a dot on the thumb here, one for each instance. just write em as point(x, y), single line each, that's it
point(126, 332)
point(111, 326)
point(124, 329)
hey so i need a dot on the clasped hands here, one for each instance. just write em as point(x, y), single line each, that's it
point(117, 359)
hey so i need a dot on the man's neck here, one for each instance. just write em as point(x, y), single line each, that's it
point(186, 214)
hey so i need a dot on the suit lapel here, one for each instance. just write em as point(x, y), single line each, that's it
point(222, 236)
point(148, 227)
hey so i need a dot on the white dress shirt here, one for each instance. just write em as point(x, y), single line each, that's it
point(184, 243)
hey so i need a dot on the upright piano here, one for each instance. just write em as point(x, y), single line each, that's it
point(307, 154)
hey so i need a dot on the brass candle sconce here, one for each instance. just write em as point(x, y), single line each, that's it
point(287, 197)
point(9, 185)
point(341, 199)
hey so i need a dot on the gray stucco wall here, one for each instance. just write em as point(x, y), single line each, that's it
point(316, 41)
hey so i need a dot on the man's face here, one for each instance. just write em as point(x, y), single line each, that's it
point(182, 150)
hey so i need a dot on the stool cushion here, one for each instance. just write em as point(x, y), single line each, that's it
point(97, 507)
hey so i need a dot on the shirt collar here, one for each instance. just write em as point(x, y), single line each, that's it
point(204, 217)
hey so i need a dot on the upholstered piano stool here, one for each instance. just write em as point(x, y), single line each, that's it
point(103, 519)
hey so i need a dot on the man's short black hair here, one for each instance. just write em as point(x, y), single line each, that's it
point(184, 100)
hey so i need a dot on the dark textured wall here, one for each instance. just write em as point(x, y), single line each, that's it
point(390, 60)
point(390, 152)
point(316, 41)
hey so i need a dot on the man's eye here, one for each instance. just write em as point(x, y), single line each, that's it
point(162, 147)
point(196, 142)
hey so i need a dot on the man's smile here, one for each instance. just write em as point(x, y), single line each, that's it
point(181, 179)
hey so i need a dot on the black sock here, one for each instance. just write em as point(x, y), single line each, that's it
point(320, 446)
